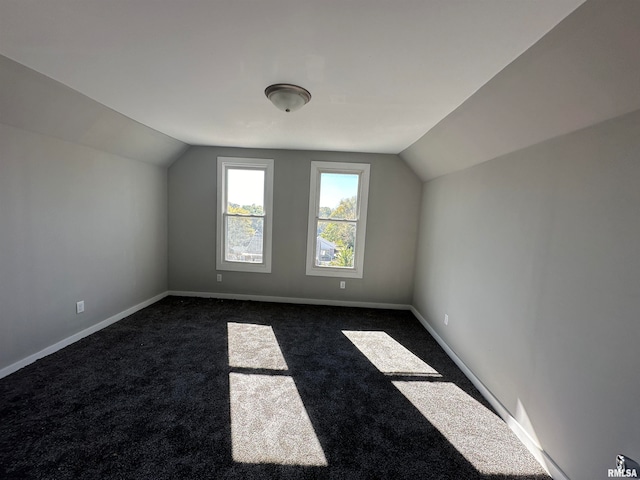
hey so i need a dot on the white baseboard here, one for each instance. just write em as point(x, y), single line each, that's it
point(296, 300)
point(536, 450)
point(77, 336)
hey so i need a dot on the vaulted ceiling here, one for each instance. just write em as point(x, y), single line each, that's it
point(381, 73)
point(585, 71)
point(445, 83)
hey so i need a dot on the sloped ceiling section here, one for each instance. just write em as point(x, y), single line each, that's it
point(381, 73)
point(34, 102)
point(585, 71)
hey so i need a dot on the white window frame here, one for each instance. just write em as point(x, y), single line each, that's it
point(363, 171)
point(266, 165)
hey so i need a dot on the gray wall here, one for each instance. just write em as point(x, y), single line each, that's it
point(394, 199)
point(78, 220)
point(535, 257)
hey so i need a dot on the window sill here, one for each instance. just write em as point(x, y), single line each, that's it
point(244, 267)
point(333, 272)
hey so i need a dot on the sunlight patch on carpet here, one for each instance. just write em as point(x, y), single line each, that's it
point(254, 346)
point(476, 432)
point(387, 355)
point(269, 423)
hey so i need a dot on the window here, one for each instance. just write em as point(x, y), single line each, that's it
point(245, 197)
point(337, 219)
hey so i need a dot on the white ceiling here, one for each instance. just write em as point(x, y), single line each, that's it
point(381, 73)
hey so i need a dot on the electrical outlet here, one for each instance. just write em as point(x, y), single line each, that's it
point(446, 319)
point(80, 306)
point(219, 277)
point(343, 284)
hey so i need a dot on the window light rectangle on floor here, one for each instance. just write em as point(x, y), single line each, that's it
point(387, 355)
point(476, 432)
point(269, 423)
point(254, 346)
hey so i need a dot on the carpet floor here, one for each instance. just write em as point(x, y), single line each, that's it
point(220, 389)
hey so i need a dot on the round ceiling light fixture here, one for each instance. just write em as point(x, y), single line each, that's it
point(287, 97)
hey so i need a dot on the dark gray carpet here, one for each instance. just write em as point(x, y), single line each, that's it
point(149, 398)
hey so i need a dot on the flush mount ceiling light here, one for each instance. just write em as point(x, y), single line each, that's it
point(287, 97)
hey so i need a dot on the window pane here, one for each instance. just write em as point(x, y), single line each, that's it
point(244, 242)
point(335, 244)
point(245, 191)
point(338, 195)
